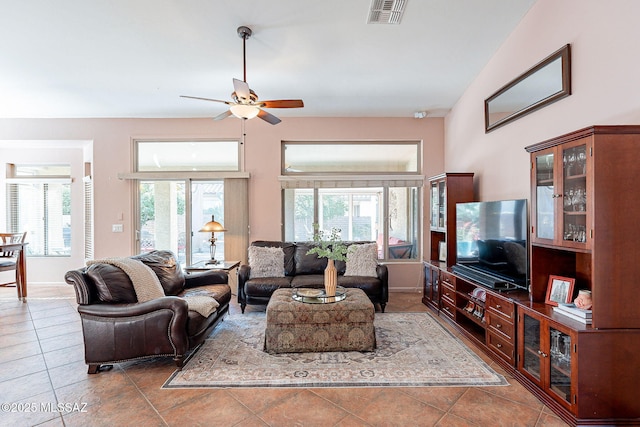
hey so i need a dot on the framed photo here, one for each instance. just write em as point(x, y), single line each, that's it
point(559, 290)
point(442, 251)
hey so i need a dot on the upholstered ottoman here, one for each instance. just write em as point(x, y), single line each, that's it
point(297, 327)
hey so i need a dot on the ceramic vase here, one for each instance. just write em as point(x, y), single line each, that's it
point(330, 279)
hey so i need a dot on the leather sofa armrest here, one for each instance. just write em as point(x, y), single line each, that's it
point(211, 277)
point(116, 332)
point(383, 275)
point(80, 285)
point(175, 304)
point(244, 273)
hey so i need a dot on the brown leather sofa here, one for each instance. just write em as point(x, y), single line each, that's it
point(117, 328)
point(306, 271)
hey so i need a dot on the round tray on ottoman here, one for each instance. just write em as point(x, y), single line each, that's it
point(318, 296)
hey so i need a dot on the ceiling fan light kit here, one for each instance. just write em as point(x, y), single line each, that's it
point(243, 111)
point(245, 104)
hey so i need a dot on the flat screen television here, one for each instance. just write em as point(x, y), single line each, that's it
point(491, 243)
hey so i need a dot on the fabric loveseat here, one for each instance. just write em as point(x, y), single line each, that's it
point(299, 270)
point(116, 327)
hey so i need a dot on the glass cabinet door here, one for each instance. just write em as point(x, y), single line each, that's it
point(560, 353)
point(575, 196)
point(435, 207)
point(428, 282)
point(442, 204)
point(435, 281)
point(531, 354)
point(438, 205)
point(545, 196)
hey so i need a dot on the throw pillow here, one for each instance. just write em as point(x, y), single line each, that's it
point(362, 260)
point(266, 262)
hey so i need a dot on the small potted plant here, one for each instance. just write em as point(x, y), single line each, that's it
point(330, 246)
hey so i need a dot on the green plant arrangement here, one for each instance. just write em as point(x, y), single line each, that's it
point(330, 245)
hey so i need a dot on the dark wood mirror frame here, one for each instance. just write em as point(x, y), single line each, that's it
point(509, 93)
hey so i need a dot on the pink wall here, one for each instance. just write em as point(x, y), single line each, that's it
point(112, 153)
point(605, 69)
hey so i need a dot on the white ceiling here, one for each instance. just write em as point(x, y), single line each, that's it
point(133, 58)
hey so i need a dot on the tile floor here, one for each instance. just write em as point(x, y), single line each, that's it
point(42, 373)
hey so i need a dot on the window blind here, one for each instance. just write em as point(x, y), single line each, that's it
point(350, 181)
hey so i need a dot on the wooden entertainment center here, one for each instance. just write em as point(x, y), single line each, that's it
point(584, 193)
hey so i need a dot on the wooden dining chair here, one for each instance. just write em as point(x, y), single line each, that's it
point(9, 258)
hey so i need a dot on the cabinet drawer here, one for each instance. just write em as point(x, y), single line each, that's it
point(499, 325)
point(447, 279)
point(448, 308)
point(501, 306)
point(448, 294)
point(501, 346)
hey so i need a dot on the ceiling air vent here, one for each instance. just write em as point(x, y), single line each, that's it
point(386, 11)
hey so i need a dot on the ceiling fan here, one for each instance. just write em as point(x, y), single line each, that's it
point(245, 104)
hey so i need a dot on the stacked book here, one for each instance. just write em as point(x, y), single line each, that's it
point(573, 312)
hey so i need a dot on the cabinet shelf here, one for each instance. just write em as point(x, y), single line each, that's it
point(471, 317)
point(566, 373)
point(575, 213)
point(575, 177)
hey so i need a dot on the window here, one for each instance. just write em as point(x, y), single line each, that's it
point(371, 194)
point(172, 211)
point(39, 202)
point(351, 157)
point(177, 156)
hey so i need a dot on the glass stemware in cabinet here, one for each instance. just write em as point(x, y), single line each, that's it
point(568, 200)
point(549, 161)
point(582, 160)
point(566, 351)
point(571, 168)
point(578, 200)
point(555, 343)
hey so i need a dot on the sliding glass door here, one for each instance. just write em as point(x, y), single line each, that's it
point(171, 213)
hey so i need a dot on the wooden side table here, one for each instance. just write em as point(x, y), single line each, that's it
point(226, 266)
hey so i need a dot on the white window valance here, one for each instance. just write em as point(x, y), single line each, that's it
point(350, 181)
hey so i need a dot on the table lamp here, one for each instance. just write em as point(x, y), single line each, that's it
point(213, 226)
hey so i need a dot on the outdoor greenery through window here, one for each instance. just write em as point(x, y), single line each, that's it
point(39, 202)
point(357, 194)
point(165, 217)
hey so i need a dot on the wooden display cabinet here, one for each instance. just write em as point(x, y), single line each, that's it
point(603, 259)
point(444, 192)
point(584, 188)
point(561, 195)
point(547, 356)
point(588, 376)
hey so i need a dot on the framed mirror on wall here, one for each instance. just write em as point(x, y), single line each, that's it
point(547, 82)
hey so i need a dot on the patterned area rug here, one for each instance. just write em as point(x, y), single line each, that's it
point(413, 350)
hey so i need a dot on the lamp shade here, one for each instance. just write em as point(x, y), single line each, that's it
point(244, 111)
point(213, 226)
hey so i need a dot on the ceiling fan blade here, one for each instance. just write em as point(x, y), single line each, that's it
point(205, 99)
point(268, 117)
point(283, 103)
point(223, 115)
point(242, 89)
